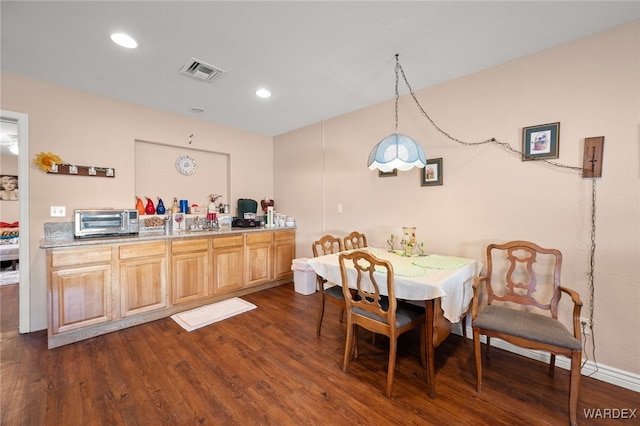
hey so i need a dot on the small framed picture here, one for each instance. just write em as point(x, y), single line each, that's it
point(73, 170)
point(393, 172)
point(9, 188)
point(541, 142)
point(109, 172)
point(431, 174)
point(92, 171)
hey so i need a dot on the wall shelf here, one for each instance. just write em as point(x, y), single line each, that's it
point(70, 169)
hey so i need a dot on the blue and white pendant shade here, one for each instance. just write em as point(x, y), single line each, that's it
point(396, 151)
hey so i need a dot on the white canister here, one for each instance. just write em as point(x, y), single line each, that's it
point(269, 223)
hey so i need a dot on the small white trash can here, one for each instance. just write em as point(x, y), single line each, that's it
point(304, 277)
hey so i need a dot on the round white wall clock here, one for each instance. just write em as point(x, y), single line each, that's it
point(186, 165)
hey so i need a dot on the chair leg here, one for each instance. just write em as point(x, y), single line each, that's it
point(477, 354)
point(574, 386)
point(463, 322)
point(356, 330)
point(341, 314)
point(488, 351)
point(320, 313)
point(393, 347)
point(552, 364)
point(423, 346)
point(348, 347)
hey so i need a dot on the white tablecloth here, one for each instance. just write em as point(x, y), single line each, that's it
point(414, 281)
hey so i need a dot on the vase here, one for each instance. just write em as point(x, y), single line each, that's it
point(150, 209)
point(139, 206)
point(160, 207)
point(408, 239)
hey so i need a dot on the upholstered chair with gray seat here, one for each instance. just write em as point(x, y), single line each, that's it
point(355, 240)
point(331, 292)
point(367, 306)
point(522, 291)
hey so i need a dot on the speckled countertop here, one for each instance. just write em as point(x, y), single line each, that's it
point(59, 235)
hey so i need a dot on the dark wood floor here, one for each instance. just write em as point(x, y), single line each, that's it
point(267, 367)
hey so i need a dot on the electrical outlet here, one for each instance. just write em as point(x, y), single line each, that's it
point(584, 324)
point(58, 211)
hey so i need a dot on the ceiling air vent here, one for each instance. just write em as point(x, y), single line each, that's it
point(202, 71)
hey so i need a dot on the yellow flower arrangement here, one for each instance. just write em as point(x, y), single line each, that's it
point(44, 160)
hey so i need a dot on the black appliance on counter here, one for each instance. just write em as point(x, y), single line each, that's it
point(246, 214)
point(246, 205)
point(245, 223)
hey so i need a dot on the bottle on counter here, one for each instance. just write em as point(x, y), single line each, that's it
point(160, 207)
point(140, 206)
point(269, 223)
point(150, 209)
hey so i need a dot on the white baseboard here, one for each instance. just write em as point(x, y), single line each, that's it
point(614, 376)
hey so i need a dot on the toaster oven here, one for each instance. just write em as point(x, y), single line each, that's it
point(107, 222)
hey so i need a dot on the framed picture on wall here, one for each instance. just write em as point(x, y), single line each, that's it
point(9, 188)
point(541, 142)
point(431, 174)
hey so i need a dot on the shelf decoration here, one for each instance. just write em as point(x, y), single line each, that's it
point(52, 164)
point(47, 160)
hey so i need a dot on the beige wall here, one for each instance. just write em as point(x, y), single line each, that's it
point(87, 130)
point(590, 86)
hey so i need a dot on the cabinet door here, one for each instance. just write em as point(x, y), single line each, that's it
point(143, 277)
point(80, 297)
point(189, 269)
point(143, 285)
point(284, 251)
point(258, 258)
point(228, 263)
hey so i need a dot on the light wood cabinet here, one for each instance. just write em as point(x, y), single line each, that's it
point(80, 288)
point(228, 263)
point(102, 288)
point(143, 277)
point(258, 258)
point(189, 269)
point(284, 251)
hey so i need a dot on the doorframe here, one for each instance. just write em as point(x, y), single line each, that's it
point(22, 121)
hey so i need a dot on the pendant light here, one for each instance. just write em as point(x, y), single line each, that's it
point(396, 151)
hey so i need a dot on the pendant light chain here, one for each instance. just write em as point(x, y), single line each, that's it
point(397, 94)
point(592, 263)
point(495, 141)
point(519, 153)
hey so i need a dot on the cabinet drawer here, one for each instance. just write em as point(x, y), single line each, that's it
point(83, 256)
point(183, 246)
point(259, 237)
point(284, 235)
point(231, 241)
point(142, 250)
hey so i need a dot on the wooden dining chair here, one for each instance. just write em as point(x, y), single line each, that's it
point(367, 307)
point(355, 240)
point(522, 286)
point(328, 244)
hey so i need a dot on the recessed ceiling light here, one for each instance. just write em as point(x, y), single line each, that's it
point(263, 93)
point(124, 40)
point(196, 110)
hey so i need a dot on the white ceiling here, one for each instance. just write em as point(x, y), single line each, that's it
point(320, 59)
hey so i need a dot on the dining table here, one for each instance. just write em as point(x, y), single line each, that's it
point(443, 283)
